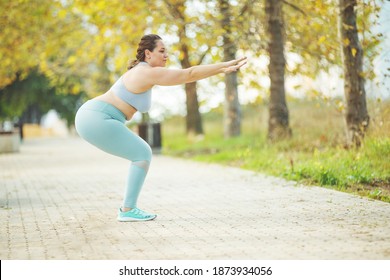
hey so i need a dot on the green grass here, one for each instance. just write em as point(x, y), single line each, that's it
point(315, 155)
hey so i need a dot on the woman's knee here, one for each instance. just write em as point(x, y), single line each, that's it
point(141, 149)
point(147, 152)
point(144, 158)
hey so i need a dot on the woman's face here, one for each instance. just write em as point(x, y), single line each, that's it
point(159, 56)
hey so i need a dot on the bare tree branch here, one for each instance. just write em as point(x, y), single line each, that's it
point(203, 55)
point(295, 7)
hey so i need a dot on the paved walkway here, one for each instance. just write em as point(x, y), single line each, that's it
point(58, 200)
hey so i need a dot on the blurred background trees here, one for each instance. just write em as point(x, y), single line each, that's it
point(55, 54)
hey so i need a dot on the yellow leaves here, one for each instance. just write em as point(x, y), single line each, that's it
point(348, 27)
point(101, 5)
point(75, 89)
point(62, 14)
point(357, 156)
point(315, 93)
point(6, 80)
point(347, 43)
point(321, 39)
point(6, 61)
point(72, 59)
point(30, 29)
point(181, 55)
point(340, 106)
point(43, 65)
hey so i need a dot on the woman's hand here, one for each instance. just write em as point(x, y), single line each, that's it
point(234, 65)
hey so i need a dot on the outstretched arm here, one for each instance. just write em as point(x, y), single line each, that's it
point(204, 71)
point(168, 77)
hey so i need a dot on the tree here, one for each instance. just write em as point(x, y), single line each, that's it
point(27, 99)
point(115, 29)
point(312, 35)
point(188, 57)
point(232, 109)
point(357, 117)
point(22, 37)
point(278, 123)
point(41, 35)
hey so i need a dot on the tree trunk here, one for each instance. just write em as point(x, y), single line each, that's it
point(278, 123)
point(232, 110)
point(33, 114)
point(193, 117)
point(357, 118)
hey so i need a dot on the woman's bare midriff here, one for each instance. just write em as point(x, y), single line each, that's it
point(114, 100)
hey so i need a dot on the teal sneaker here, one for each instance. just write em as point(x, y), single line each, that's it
point(134, 215)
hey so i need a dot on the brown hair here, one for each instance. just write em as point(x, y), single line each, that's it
point(148, 42)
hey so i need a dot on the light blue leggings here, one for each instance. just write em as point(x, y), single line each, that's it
point(103, 125)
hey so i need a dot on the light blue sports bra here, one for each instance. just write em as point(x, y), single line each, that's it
point(140, 101)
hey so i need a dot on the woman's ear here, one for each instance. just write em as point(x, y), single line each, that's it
point(147, 53)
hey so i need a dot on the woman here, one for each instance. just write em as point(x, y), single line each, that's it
point(101, 121)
